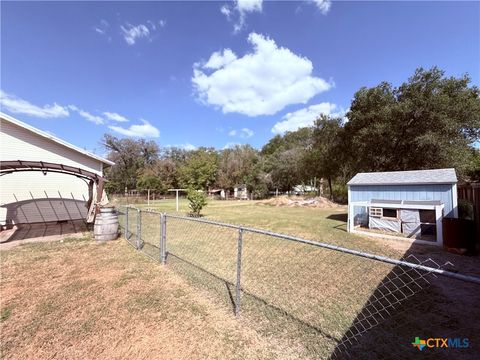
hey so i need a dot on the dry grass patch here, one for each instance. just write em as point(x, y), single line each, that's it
point(79, 299)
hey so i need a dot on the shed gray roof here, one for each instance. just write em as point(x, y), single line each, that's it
point(436, 176)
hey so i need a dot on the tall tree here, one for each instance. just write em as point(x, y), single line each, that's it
point(430, 121)
point(130, 157)
point(200, 169)
point(283, 156)
point(324, 158)
point(236, 165)
point(165, 171)
point(242, 165)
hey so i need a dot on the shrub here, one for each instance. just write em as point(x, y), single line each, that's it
point(465, 209)
point(340, 193)
point(197, 201)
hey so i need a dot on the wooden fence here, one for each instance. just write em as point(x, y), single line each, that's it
point(471, 193)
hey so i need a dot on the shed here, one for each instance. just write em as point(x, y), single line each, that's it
point(240, 192)
point(46, 179)
point(403, 204)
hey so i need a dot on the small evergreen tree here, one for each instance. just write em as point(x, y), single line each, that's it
point(197, 201)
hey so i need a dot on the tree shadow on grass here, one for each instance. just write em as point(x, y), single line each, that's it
point(407, 303)
point(270, 319)
point(411, 303)
point(342, 217)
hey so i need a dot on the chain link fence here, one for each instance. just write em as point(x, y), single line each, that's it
point(322, 300)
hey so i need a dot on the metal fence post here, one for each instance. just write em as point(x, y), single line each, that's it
point(239, 271)
point(161, 239)
point(139, 228)
point(126, 223)
point(163, 244)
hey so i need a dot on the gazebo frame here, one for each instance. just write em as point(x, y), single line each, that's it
point(13, 166)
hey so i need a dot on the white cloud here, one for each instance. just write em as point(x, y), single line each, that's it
point(162, 23)
point(230, 145)
point(145, 130)
point(262, 82)
point(132, 33)
point(305, 117)
point(323, 5)
point(188, 147)
point(20, 106)
point(115, 116)
point(246, 133)
point(243, 133)
point(153, 26)
point(241, 8)
point(97, 120)
point(225, 10)
point(218, 59)
point(103, 29)
point(249, 5)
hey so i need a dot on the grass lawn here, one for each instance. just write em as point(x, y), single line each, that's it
point(79, 299)
point(311, 294)
point(83, 300)
point(328, 225)
point(324, 225)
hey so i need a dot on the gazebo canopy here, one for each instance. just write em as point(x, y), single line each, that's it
point(12, 166)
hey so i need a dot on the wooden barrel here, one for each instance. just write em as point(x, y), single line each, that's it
point(106, 224)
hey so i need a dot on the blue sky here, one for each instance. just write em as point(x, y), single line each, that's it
point(216, 73)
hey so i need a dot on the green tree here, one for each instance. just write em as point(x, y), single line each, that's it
point(283, 159)
point(166, 172)
point(285, 168)
point(154, 183)
point(430, 121)
point(324, 158)
point(239, 165)
point(197, 200)
point(130, 157)
point(200, 169)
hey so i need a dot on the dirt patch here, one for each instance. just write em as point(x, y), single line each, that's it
point(298, 201)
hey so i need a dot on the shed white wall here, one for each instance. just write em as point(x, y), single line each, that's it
point(55, 196)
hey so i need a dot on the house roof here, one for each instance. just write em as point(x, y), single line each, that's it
point(46, 135)
point(414, 177)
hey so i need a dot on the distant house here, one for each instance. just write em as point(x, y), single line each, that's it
point(217, 194)
point(240, 192)
point(407, 203)
point(44, 178)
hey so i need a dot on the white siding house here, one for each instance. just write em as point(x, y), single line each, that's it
point(36, 196)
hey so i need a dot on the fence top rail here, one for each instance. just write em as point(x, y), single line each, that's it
point(139, 209)
point(446, 273)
